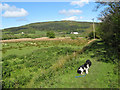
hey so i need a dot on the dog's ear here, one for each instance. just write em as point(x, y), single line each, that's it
point(87, 61)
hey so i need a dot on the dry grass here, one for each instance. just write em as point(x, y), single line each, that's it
point(59, 63)
point(30, 39)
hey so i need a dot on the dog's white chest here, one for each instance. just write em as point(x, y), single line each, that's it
point(87, 66)
point(81, 69)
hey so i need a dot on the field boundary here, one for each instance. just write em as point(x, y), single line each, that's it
point(30, 39)
point(36, 39)
point(61, 61)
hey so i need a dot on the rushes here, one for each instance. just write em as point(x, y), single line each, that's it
point(39, 64)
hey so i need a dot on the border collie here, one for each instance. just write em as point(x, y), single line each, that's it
point(84, 67)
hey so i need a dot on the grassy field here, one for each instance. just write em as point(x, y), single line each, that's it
point(53, 64)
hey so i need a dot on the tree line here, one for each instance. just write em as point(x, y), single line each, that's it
point(109, 28)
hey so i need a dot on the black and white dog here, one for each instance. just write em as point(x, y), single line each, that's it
point(84, 67)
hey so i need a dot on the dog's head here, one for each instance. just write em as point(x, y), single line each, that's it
point(88, 62)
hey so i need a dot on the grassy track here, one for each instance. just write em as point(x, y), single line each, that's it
point(101, 74)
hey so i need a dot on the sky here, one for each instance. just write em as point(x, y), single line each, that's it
point(21, 13)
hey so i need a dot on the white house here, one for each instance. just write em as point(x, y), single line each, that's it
point(22, 33)
point(74, 32)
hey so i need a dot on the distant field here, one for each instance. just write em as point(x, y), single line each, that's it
point(53, 64)
point(37, 30)
point(35, 39)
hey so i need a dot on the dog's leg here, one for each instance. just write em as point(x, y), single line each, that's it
point(81, 73)
point(86, 71)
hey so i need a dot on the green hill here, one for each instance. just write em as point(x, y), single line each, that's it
point(61, 28)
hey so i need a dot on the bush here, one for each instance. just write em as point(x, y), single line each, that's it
point(13, 56)
point(26, 36)
point(51, 34)
point(8, 84)
point(6, 72)
point(63, 35)
point(72, 37)
point(5, 63)
point(109, 28)
point(91, 36)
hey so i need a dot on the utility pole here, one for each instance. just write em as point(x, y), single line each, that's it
point(0, 22)
point(93, 28)
point(0, 43)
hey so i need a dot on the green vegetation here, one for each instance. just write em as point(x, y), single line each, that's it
point(91, 35)
point(51, 34)
point(54, 63)
point(37, 30)
point(109, 29)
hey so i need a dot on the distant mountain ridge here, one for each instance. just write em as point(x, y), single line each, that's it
point(40, 29)
point(57, 26)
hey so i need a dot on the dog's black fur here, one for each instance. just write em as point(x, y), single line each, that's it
point(84, 67)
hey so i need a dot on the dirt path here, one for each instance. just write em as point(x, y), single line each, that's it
point(30, 39)
point(36, 39)
point(91, 41)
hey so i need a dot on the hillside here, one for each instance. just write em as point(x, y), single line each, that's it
point(61, 28)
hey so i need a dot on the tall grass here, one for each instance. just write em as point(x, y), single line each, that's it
point(54, 64)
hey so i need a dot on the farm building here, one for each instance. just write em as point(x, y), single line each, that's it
point(22, 33)
point(74, 32)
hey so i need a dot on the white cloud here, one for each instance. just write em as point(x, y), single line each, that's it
point(81, 17)
point(13, 11)
point(72, 18)
point(80, 3)
point(70, 12)
point(19, 13)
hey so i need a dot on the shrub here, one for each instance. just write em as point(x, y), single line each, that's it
point(26, 36)
point(51, 34)
point(63, 35)
point(8, 84)
point(91, 36)
point(22, 79)
point(5, 63)
point(10, 57)
point(6, 72)
point(72, 37)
